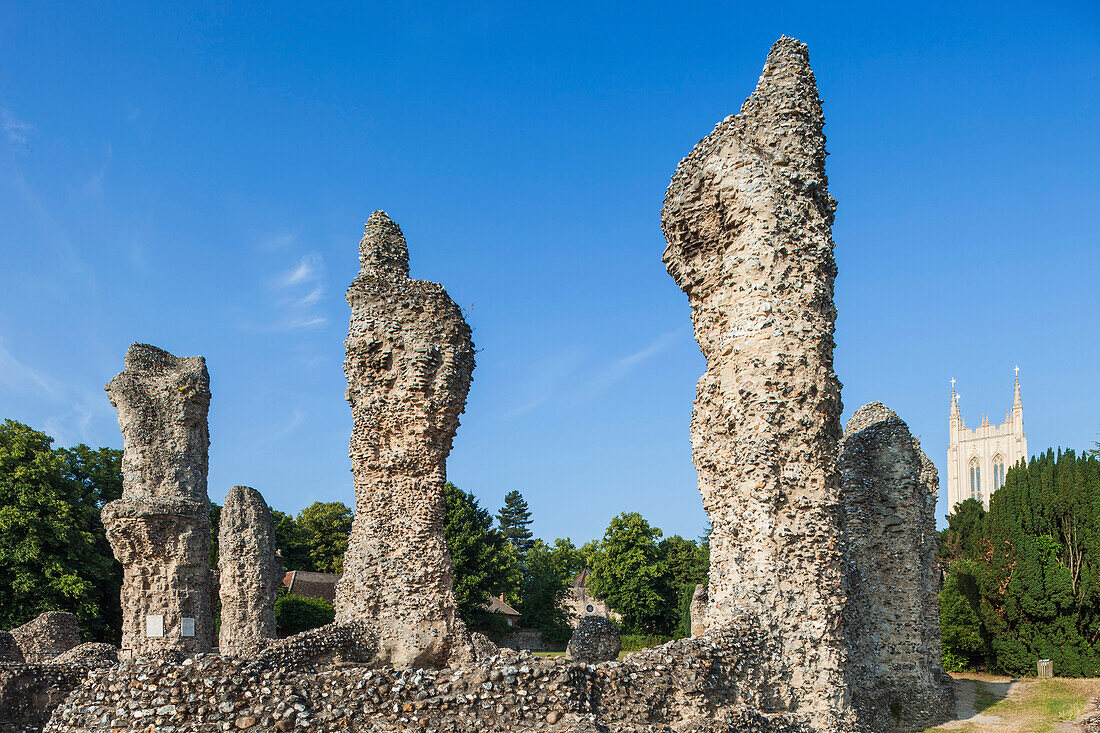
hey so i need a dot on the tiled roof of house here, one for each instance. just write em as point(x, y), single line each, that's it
point(496, 605)
point(311, 585)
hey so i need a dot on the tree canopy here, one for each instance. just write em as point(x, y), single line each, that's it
point(54, 554)
point(515, 521)
point(483, 562)
point(1024, 578)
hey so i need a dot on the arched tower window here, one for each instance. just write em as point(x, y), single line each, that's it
point(998, 471)
point(975, 480)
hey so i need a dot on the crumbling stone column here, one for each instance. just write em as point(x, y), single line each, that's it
point(160, 528)
point(747, 218)
point(698, 610)
point(409, 364)
point(249, 573)
point(889, 527)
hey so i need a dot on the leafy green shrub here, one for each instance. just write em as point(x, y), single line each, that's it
point(636, 642)
point(294, 613)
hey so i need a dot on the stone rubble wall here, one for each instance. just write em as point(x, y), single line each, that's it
point(892, 617)
point(46, 636)
point(747, 218)
point(712, 683)
point(160, 529)
point(249, 573)
point(9, 648)
point(409, 361)
point(29, 693)
point(596, 639)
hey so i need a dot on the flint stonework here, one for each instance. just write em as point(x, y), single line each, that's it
point(889, 527)
point(160, 529)
point(698, 610)
point(408, 366)
point(748, 219)
point(249, 573)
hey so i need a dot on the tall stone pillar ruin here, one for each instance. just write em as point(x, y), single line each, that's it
point(160, 529)
point(249, 573)
point(889, 529)
point(747, 218)
point(408, 365)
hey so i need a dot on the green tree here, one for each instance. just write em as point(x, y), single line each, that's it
point(686, 565)
point(288, 540)
point(628, 573)
point(965, 529)
point(1040, 556)
point(215, 531)
point(53, 555)
point(965, 639)
point(541, 596)
point(589, 550)
point(483, 565)
point(568, 560)
point(515, 520)
point(294, 613)
point(323, 527)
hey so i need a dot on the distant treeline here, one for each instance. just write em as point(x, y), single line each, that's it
point(1023, 579)
point(54, 553)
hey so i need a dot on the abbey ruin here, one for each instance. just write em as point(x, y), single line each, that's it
point(160, 528)
point(249, 573)
point(409, 364)
point(892, 618)
point(747, 218)
point(819, 615)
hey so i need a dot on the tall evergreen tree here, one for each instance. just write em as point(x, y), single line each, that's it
point(515, 519)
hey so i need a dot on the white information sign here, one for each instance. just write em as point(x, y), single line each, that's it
point(154, 625)
point(187, 626)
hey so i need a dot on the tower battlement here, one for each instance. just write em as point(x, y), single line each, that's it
point(978, 458)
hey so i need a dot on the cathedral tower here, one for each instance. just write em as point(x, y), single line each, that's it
point(978, 459)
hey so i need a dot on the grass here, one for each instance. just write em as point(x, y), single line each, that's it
point(1032, 706)
point(562, 654)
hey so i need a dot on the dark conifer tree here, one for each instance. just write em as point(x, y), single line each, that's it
point(515, 520)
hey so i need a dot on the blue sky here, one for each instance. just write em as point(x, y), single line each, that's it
point(198, 177)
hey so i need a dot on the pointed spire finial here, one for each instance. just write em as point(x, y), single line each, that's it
point(1017, 403)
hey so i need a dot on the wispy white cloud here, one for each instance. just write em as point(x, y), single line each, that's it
point(279, 241)
point(563, 377)
point(294, 295)
point(299, 290)
point(53, 233)
point(15, 129)
point(304, 272)
point(93, 187)
point(73, 408)
point(23, 380)
point(603, 377)
point(545, 379)
point(283, 431)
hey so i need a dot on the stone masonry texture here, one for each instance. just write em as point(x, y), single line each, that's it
point(47, 636)
point(698, 610)
point(596, 639)
point(409, 361)
point(249, 573)
point(160, 528)
point(710, 684)
point(747, 218)
point(889, 528)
